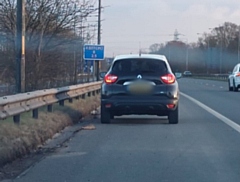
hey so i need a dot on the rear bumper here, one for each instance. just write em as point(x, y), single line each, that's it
point(129, 105)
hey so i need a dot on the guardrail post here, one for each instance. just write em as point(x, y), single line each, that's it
point(35, 113)
point(16, 119)
point(50, 108)
point(89, 94)
point(61, 102)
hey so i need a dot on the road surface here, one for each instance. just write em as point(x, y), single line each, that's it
point(204, 146)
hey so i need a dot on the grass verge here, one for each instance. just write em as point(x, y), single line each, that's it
point(19, 140)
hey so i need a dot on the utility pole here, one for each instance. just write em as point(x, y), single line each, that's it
point(207, 62)
point(222, 35)
point(20, 47)
point(74, 49)
point(187, 57)
point(99, 36)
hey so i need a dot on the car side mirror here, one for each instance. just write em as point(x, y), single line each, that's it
point(102, 74)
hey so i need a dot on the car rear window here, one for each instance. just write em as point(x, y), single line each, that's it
point(139, 66)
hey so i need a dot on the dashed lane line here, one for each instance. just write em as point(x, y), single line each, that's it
point(224, 119)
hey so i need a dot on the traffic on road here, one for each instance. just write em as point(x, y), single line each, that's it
point(163, 105)
point(204, 146)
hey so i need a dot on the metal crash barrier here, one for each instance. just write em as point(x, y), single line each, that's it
point(14, 105)
point(220, 77)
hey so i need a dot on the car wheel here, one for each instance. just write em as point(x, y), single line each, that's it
point(229, 87)
point(105, 115)
point(173, 116)
point(235, 89)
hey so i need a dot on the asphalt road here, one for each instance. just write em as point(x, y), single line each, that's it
point(202, 147)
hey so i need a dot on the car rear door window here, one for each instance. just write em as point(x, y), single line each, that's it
point(139, 66)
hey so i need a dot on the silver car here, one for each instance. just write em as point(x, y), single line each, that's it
point(234, 79)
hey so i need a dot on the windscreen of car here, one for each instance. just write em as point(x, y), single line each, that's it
point(139, 66)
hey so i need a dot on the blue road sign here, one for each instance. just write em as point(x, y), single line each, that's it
point(94, 52)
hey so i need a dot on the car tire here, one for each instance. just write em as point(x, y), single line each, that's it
point(229, 87)
point(105, 115)
point(235, 89)
point(173, 116)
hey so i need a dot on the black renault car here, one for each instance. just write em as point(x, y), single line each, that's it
point(139, 84)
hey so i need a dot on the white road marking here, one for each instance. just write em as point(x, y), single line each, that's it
point(224, 119)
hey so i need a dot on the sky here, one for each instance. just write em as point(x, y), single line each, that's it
point(129, 25)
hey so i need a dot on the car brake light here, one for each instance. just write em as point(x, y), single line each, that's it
point(108, 105)
point(110, 79)
point(168, 79)
point(238, 74)
point(170, 106)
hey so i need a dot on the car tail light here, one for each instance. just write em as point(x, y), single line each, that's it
point(110, 79)
point(168, 79)
point(238, 74)
point(170, 106)
point(108, 105)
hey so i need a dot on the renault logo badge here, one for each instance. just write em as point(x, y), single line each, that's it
point(139, 77)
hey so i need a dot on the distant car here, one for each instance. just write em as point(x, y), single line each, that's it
point(139, 84)
point(234, 79)
point(187, 73)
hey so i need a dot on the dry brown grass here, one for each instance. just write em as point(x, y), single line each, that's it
point(19, 140)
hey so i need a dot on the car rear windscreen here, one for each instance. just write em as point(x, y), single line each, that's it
point(139, 66)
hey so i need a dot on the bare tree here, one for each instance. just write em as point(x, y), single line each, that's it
point(225, 36)
point(51, 27)
point(154, 48)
